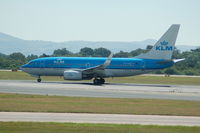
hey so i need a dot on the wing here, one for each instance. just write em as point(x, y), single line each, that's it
point(98, 70)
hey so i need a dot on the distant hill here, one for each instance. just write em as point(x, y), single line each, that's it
point(10, 44)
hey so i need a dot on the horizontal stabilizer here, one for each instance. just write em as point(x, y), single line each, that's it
point(178, 60)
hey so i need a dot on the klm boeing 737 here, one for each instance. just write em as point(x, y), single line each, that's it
point(81, 68)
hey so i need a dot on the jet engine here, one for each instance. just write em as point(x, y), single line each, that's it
point(72, 75)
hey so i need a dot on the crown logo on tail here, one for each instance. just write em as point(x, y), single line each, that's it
point(163, 43)
point(164, 46)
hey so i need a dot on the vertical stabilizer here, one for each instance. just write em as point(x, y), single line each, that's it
point(164, 47)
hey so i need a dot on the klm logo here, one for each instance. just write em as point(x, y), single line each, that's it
point(164, 46)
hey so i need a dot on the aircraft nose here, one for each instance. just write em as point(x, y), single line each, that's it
point(22, 67)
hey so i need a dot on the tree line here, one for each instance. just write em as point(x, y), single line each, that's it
point(190, 66)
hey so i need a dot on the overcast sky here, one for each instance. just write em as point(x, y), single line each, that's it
point(100, 20)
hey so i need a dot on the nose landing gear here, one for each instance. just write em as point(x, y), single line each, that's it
point(39, 79)
point(98, 81)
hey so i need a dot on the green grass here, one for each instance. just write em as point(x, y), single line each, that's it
point(39, 103)
point(157, 80)
point(132, 79)
point(24, 76)
point(47, 127)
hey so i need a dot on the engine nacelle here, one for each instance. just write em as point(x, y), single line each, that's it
point(72, 75)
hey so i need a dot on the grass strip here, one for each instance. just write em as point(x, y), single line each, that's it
point(48, 127)
point(39, 103)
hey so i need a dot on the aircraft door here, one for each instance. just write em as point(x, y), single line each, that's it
point(87, 65)
point(42, 64)
point(142, 64)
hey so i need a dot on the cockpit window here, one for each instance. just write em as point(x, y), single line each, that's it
point(31, 63)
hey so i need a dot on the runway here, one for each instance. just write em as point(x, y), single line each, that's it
point(99, 118)
point(113, 90)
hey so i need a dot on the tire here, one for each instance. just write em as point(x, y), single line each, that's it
point(39, 80)
point(102, 81)
point(96, 81)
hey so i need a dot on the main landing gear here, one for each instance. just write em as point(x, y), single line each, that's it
point(98, 81)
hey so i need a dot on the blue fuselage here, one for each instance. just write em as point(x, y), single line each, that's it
point(55, 66)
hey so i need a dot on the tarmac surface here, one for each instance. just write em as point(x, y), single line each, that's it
point(113, 90)
point(100, 118)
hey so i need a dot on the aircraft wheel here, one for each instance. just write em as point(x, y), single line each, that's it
point(98, 81)
point(39, 80)
point(102, 81)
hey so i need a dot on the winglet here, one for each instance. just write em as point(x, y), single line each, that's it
point(100, 67)
point(108, 60)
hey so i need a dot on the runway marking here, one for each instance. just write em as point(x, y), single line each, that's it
point(99, 118)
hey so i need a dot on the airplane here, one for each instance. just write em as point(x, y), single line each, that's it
point(98, 68)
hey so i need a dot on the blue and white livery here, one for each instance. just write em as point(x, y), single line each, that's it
point(80, 68)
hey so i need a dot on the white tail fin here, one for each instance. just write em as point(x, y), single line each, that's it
point(164, 47)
